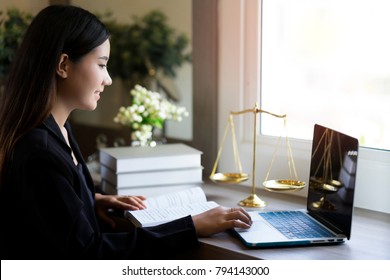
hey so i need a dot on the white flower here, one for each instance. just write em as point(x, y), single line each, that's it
point(148, 109)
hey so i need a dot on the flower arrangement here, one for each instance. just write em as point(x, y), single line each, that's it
point(148, 110)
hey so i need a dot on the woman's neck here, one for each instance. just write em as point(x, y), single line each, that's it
point(60, 114)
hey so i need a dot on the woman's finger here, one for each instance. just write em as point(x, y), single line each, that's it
point(130, 202)
point(239, 224)
point(135, 199)
point(239, 214)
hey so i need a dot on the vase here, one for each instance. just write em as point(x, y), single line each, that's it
point(147, 136)
point(158, 136)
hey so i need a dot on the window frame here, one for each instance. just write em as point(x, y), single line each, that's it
point(239, 80)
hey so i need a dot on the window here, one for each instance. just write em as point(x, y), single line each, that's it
point(327, 62)
point(240, 86)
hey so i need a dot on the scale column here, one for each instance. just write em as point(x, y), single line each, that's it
point(253, 200)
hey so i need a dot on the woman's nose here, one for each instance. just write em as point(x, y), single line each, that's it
point(107, 80)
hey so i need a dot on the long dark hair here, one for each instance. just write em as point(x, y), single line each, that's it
point(29, 91)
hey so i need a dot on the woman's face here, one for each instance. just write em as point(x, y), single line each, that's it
point(85, 79)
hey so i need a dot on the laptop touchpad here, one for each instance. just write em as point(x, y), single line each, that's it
point(261, 231)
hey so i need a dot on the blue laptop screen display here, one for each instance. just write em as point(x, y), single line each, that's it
point(332, 178)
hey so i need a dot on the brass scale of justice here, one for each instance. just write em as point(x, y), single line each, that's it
point(279, 185)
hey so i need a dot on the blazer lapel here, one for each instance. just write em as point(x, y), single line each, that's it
point(52, 126)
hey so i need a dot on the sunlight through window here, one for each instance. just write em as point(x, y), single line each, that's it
point(327, 62)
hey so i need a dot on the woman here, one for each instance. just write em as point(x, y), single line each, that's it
point(49, 207)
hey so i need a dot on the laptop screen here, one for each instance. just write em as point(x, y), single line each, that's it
point(332, 178)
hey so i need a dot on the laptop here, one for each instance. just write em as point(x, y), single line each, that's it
point(327, 218)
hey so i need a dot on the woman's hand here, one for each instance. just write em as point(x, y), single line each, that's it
point(116, 202)
point(220, 219)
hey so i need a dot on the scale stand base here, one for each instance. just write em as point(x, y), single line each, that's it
point(253, 201)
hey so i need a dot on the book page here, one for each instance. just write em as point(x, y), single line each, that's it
point(181, 198)
point(155, 216)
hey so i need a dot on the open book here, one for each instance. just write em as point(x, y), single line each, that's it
point(168, 207)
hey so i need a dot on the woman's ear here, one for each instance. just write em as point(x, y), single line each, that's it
point(63, 66)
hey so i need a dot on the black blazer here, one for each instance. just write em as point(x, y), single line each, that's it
point(47, 212)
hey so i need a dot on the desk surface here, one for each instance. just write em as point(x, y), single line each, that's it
point(370, 237)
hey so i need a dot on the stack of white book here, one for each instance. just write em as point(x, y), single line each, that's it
point(150, 170)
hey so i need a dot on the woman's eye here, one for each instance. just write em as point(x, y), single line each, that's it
point(103, 65)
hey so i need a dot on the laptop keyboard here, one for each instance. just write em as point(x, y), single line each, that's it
point(295, 224)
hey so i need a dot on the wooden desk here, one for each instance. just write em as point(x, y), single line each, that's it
point(370, 237)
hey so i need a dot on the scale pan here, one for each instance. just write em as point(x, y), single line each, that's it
point(283, 185)
point(229, 178)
